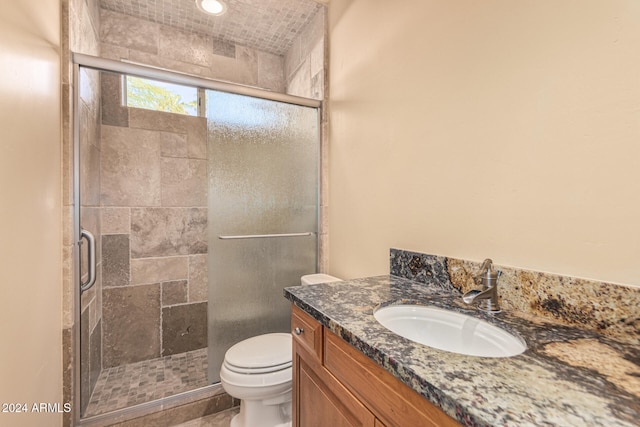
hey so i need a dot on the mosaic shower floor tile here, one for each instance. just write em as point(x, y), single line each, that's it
point(141, 382)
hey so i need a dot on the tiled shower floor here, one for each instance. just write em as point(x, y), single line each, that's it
point(141, 382)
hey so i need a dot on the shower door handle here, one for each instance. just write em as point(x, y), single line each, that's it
point(91, 254)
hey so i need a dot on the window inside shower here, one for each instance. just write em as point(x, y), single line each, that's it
point(156, 95)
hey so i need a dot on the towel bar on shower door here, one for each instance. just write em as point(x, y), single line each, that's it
point(264, 236)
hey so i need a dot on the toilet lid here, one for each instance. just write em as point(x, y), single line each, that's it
point(264, 353)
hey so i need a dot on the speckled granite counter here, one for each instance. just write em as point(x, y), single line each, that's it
point(568, 376)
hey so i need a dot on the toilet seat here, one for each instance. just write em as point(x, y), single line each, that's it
point(261, 354)
point(254, 371)
point(259, 380)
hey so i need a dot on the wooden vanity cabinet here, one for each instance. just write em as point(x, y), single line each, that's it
point(335, 385)
point(319, 400)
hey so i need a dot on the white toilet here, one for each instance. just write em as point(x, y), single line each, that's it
point(258, 372)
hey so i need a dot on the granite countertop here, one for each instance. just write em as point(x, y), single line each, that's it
point(567, 376)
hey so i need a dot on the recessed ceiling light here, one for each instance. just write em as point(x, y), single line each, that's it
point(212, 7)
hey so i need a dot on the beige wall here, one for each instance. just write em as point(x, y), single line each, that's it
point(30, 209)
point(486, 129)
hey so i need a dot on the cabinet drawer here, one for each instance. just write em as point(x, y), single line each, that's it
point(390, 400)
point(306, 331)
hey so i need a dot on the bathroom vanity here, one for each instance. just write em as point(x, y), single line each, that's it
point(336, 385)
point(351, 371)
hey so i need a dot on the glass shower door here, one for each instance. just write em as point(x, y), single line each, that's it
point(263, 214)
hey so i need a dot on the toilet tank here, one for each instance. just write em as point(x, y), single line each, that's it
point(311, 279)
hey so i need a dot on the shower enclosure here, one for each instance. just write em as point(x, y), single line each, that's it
point(188, 226)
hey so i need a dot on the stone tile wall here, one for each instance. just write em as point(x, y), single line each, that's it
point(305, 61)
point(306, 75)
point(128, 38)
point(154, 230)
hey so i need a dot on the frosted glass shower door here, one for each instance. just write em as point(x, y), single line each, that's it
point(263, 214)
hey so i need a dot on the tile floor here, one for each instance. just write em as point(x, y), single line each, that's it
point(221, 419)
point(141, 382)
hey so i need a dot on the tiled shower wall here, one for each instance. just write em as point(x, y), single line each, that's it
point(127, 38)
point(154, 192)
point(304, 62)
point(300, 72)
point(145, 209)
point(154, 231)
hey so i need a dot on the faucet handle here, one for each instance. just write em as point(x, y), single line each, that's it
point(488, 295)
point(487, 273)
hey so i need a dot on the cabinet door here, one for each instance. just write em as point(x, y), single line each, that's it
point(391, 401)
point(322, 401)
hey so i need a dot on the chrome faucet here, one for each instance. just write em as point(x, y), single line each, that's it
point(488, 295)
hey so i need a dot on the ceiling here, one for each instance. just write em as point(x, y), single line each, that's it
point(267, 25)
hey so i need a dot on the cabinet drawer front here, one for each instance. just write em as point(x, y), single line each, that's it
point(388, 398)
point(306, 331)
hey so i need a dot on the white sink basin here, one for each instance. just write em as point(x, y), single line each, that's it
point(449, 331)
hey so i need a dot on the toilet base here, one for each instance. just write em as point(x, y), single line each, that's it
point(255, 413)
point(236, 422)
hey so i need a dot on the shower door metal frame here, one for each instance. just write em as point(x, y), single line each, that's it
point(108, 65)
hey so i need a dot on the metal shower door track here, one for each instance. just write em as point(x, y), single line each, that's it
point(109, 65)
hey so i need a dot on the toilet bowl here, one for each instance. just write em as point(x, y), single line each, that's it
point(258, 371)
